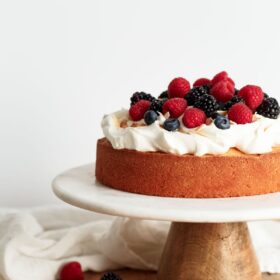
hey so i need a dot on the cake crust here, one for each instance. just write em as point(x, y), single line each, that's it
point(232, 174)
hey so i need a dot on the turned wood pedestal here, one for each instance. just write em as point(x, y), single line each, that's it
point(202, 251)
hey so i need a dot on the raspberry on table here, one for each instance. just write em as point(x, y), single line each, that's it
point(178, 87)
point(223, 91)
point(240, 113)
point(193, 117)
point(138, 110)
point(269, 108)
point(71, 271)
point(208, 104)
point(175, 106)
point(252, 95)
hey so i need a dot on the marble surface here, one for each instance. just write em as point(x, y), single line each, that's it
point(78, 187)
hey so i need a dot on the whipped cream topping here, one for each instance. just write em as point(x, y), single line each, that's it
point(258, 137)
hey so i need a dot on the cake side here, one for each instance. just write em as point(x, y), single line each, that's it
point(232, 174)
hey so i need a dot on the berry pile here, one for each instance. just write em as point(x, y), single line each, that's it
point(209, 100)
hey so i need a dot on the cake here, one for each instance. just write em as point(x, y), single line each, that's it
point(206, 141)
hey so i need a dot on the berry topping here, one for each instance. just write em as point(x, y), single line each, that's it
point(208, 104)
point(175, 106)
point(195, 93)
point(138, 110)
point(178, 87)
point(171, 124)
point(223, 91)
point(222, 122)
point(252, 95)
point(110, 276)
point(202, 82)
point(150, 117)
point(269, 108)
point(240, 113)
point(235, 99)
point(137, 96)
point(157, 105)
point(163, 95)
point(193, 117)
point(71, 271)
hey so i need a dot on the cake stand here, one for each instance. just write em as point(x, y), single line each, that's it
point(208, 238)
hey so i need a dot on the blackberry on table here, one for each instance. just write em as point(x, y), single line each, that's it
point(208, 104)
point(195, 93)
point(163, 95)
point(137, 96)
point(110, 276)
point(235, 99)
point(157, 104)
point(269, 108)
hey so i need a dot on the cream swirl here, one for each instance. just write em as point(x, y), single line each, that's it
point(258, 137)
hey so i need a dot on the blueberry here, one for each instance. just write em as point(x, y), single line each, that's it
point(150, 117)
point(222, 122)
point(171, 124)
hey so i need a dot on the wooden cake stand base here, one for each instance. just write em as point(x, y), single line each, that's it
point(208, 239)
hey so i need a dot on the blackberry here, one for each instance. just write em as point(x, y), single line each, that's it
point(157, 104)
point(163, 95)
point(236, 91)
point(235, 99)
point(137, 96)
point(208, 104)
point(265, 95)
point(195, 93)
point(110, 276)
point(269, 108)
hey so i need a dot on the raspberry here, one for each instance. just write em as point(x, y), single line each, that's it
point(193, 117)
point(252, 95)
point(223, 91)
point(269, 108)
point(222, 76)
point(202, 82)
point(195, 93)
point(175, 106)
point(208, 104)
point(137, 96)
point(71, 271)
point(178, 87)
point(240, 113)
point(138, 110)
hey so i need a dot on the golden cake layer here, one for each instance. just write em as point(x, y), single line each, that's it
point(161, 174)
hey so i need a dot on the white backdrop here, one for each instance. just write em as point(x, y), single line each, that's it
point(63, 64)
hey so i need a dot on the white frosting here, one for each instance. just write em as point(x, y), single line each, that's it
point(258, 137)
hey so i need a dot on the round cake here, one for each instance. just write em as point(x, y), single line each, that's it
point(207, 141)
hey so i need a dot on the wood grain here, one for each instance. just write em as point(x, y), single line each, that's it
point(140, 275)
point(207, 251)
